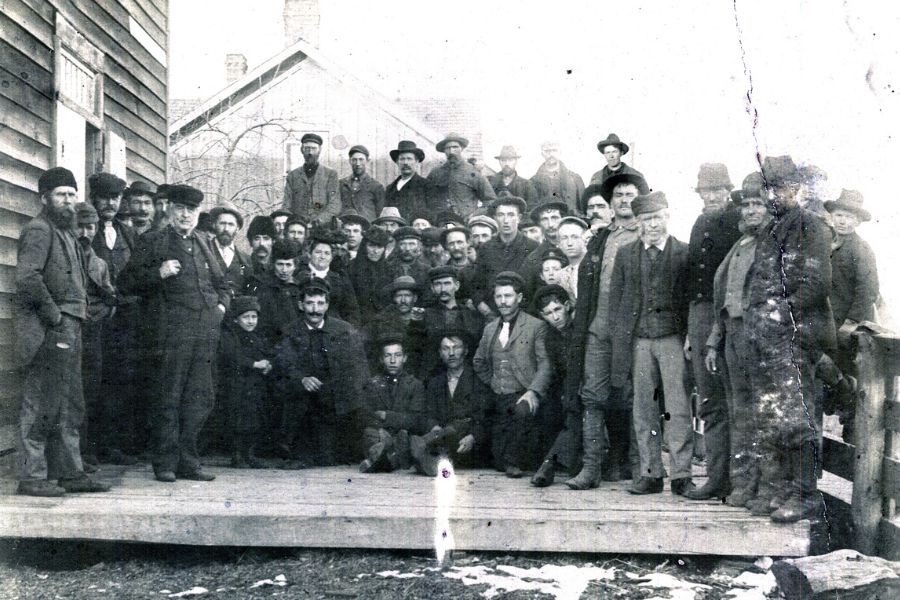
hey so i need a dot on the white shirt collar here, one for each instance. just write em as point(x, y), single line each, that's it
point(661, 244)
point(317, 273)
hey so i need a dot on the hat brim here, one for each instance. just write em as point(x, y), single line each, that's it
point(501, 157)
point(443, 143)
point(607, 142)
point(417, 152)
point(607, 187)
point(358, 219)
point(509, 201)
point(218, 210)
point(833, 205)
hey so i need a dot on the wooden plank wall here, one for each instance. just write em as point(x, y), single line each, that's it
point(135, 107)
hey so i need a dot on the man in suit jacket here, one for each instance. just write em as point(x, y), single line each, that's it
point(512, 359)
point(312, 190)
point(457, 185)
point(648, 323)
point(51, 304)
point(359, 191)
point(409, 192)
point(234, 264)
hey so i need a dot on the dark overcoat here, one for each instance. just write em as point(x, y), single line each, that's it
point(402, 398)
point(854, 285)
point(464, 412)
point(241, 387)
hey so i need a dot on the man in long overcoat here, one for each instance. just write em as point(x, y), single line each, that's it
point(311, 190)
point(456, 184)
point(554, 181)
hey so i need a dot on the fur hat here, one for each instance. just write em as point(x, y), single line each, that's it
point(261, 225)
point(105, 185)
point(54, 178)
point(649, 203)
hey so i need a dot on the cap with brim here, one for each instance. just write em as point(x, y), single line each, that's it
point(507, 152)
point(431, 236)
point(311, 137)
point(390, 214)
point(562, 207)
point(54, 178)
point(105, 185)
point(752, 187)
point(281, 212)
point(509, 201)
point(162, 192)
point(360, 149)
point(377, 237)
point(242, 304)
point(452, 137)
point(185, 195)
point(356, 219)
point(404, 233)
point(612, 140)
point(227, 208)
point(649, 203)
point(139, 188)
point(404, 282)
point(554, 254)
point(315, 285)
point(850, 201)
point(407, 146)
point(574, 220)
point(485, 221)
point(549, 290)
point(509, 278)
point(442, 272)
point(85, 214)
point(607, 187)
point(780, 170)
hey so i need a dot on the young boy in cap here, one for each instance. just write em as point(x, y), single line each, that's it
point(553, 261)
point(244, 364)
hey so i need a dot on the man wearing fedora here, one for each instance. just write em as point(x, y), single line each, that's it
point(409, 192)
point(176, 268)
point(508, 180)
point(312, 189)
point(714, 233)
point(554, 181)
point(138, 197)
point(456, 184)
point(613, 149)
point(234, 264)
point(359, 192)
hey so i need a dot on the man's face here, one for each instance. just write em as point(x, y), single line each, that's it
point(314, 307)
point(753, 211)
point(354, 234)
point(571, 241)
point(549, 222)
point(320, 256)
point(714, 197)
point(453, 152)
point(226, 228)
point(598, 212)
point(87, 231)
point(654, 226)
point(409, 249)
point(406, 161)
point(556, 314)
point(533, 233)
point(61, 202)
point(507, 300)
point(261, 246)
point(844, 221)
point(457, 246)
point(390, 226)
point(435, 254)
point(507, 218)
point(550, 152)
point(481, 234)
point(550, 269)
point(420, 224)
point(373, 252)
point(508, 166)
point(284, 269)
point(183, 218)
point(393, 358)
point(280, 220)
point(445, 288)
point(248, 320)
point(613, 156)
point(310, 152)
point(405, 300)
point(622, 197)
point(107, 207)
point(161, 205)
point(142, 210)
point(453, 352)
point(358, 163)
point(296, 232)
point(782, 197)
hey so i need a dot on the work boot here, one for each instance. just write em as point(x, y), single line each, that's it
point(545, 474)
point(197, 474)
point(83, 483)
point(646, 485)
point(806, 501)
point(682, 486)
point(165, 476)
point(39, 487)
point(740, 496)
point(589, 476)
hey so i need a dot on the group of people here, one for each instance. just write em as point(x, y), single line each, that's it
point(532, 326)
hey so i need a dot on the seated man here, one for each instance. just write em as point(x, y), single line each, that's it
point(394, 409)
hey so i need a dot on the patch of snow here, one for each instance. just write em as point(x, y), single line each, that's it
point(567, 582)
point(679, 589)
point(194, 591)
point(399, 575)
point(279, 581)
point(761, 585)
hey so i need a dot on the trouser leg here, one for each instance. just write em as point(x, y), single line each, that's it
point(744, 463)
point(645, 373)
point(91, 375)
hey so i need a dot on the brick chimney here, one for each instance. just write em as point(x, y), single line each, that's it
point(301, 20)
point(235, 67)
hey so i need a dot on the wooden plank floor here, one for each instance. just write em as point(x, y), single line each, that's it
point(339, 507)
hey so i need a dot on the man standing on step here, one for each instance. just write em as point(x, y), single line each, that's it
point(613, 149)
point(456, 184)
point(311, 190)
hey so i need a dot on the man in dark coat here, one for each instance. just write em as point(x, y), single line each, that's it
point(369, 273)
point(359, 191)
point(234, 264)
point(279, 294)
point(546, 216)
point(320, 372)
point(714, 233)
point(51, 304)
point(138, 198)
point(177, 266)
point(341, 298)
point(553, 181)
point(457, 185)
point(612, 149)
point(407, 257)
point(648, 323)
point(261, 235)
point(312, 189)
point(409, 192)
point(507, 180)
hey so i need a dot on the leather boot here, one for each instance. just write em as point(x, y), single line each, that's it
point(618, 425)
point(718, 451)
point(806, 501)
point(589, 477)
point(771, 482)
point(545, 474)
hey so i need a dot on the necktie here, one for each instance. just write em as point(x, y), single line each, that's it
point(109, 232)
point(503, 338)
point(654, 252)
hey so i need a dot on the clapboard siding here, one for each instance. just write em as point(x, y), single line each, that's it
point(31, 20)
point(24, 40)
point(156, 30)
point(25, 68)
point(24, 148)
point(11, 224)
point(38, 104)
point(20, 173)
point(134, 123)
point(24, 201)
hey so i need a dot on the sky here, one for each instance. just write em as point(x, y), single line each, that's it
point(671, 78)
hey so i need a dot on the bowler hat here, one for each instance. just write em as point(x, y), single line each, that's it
point(607, 187)
point(407, 146)
point(311, 137)
point(510, 278)
point(452, 137)
point(314, 285)
point(535, 213)
point(358, 148)
point(404, 282)
point(227, 208)
point(54, 178)
point(850, 201)
point(484, 221)
point(138, 188)
point(507, 152)
point(649, 203)
point(86, 214)
point(779, 170)
point(185, 195)
point(442, 271)
point(554, 254)
point(261, 225)
point(242, 304)
point(612, 140)
point(105, 185)
point(390, 214)
point(375, 236)
point(576, 220)
point(406, 233)
point(549, 290)
point(713, 176)
point(455, 229)
point(351, 216)
point(508, 200)
point(752, 187)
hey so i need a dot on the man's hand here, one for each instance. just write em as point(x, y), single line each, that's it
point(466, 444)
point(311, 384)
point(710, 360)
point(485, 310)
point(531, 399)
point(417, 313)
point(263, 365)
point(169, 268)
point(687, 348)
point(381, 415)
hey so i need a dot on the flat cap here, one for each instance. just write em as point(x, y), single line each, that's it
point(185, 195)
point(752, 187)
point(404, 282)
point(649, 203)
point(311, 137)
point(105, 185)
point(139, 188)
point(448, 217)
point(54, 178)
point(554, 254)
point(86, 214)
point(227, 208)
point(570, 220)
point(162, 192)
point(358, 148)
point(484, 221)
point(431, 236)
point(442, 271)
point(315, 285)
point(407, 232)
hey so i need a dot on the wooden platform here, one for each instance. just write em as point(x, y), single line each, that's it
point(339, 507)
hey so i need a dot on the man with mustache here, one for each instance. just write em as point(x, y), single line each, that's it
point(456, 184)
point(359, 191)
point(613, 149)
point(161, 206)
point(596, 208)
point(138, 197)
point(554, 180)
point(507, 180)
point(235, 265)
point(407, 257)
point(280, 218)
point(547, 216)
point(409, 192)
point(311, 190)
point(341, 297)
point(261, 235)
point(51, 304)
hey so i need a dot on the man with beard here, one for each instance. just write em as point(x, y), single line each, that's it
point(353, 225)
point(512, 359)
point(409, 192)
point(51, 304)
point(312, 190)
point(368, 273)
point(457, 185)
point(359, 192)
point(507, 180)
point(713, 235)
point(433, 250)
point(596, 208)
point(161, 206)
point(407, 259)
point(280, 218)
point(139, 199)
point(233, 263)
point(341, 298)
point(547, 216)
point(295, 230)
point(261, 235)
point(613, 149)
point(554, 180)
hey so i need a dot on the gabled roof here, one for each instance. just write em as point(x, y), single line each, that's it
point(274, 70)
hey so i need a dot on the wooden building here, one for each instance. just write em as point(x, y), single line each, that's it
point(83, 85)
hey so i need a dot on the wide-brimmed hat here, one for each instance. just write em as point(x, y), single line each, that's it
point(508, 200)
point(407, 146)
point(607, 187)
point(713, 176)
point(451, 137)
point(851, 201)
point(390, 214)
point(752, 187)
point(507, 152)
point(649, 203)
point(535, 214)
point(229, 208)
point(404, 282)
point(780, 170)
point(612, 140)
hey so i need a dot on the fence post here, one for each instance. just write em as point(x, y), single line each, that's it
point(866, 509)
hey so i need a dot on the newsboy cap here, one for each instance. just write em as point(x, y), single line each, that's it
point(242, 304)
point(139, 188)
point(105, 185)
point(358, 148)
point(404, 282)
point(311, 137)
point(86, 214)
point(406, 233)
point(484, 221)
point(441, 272)
point(713, 176)
point(54, 178)
point(185, 195)
point(261, 225)
point(227, 208)
point(314, 286)
point(649, 203)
